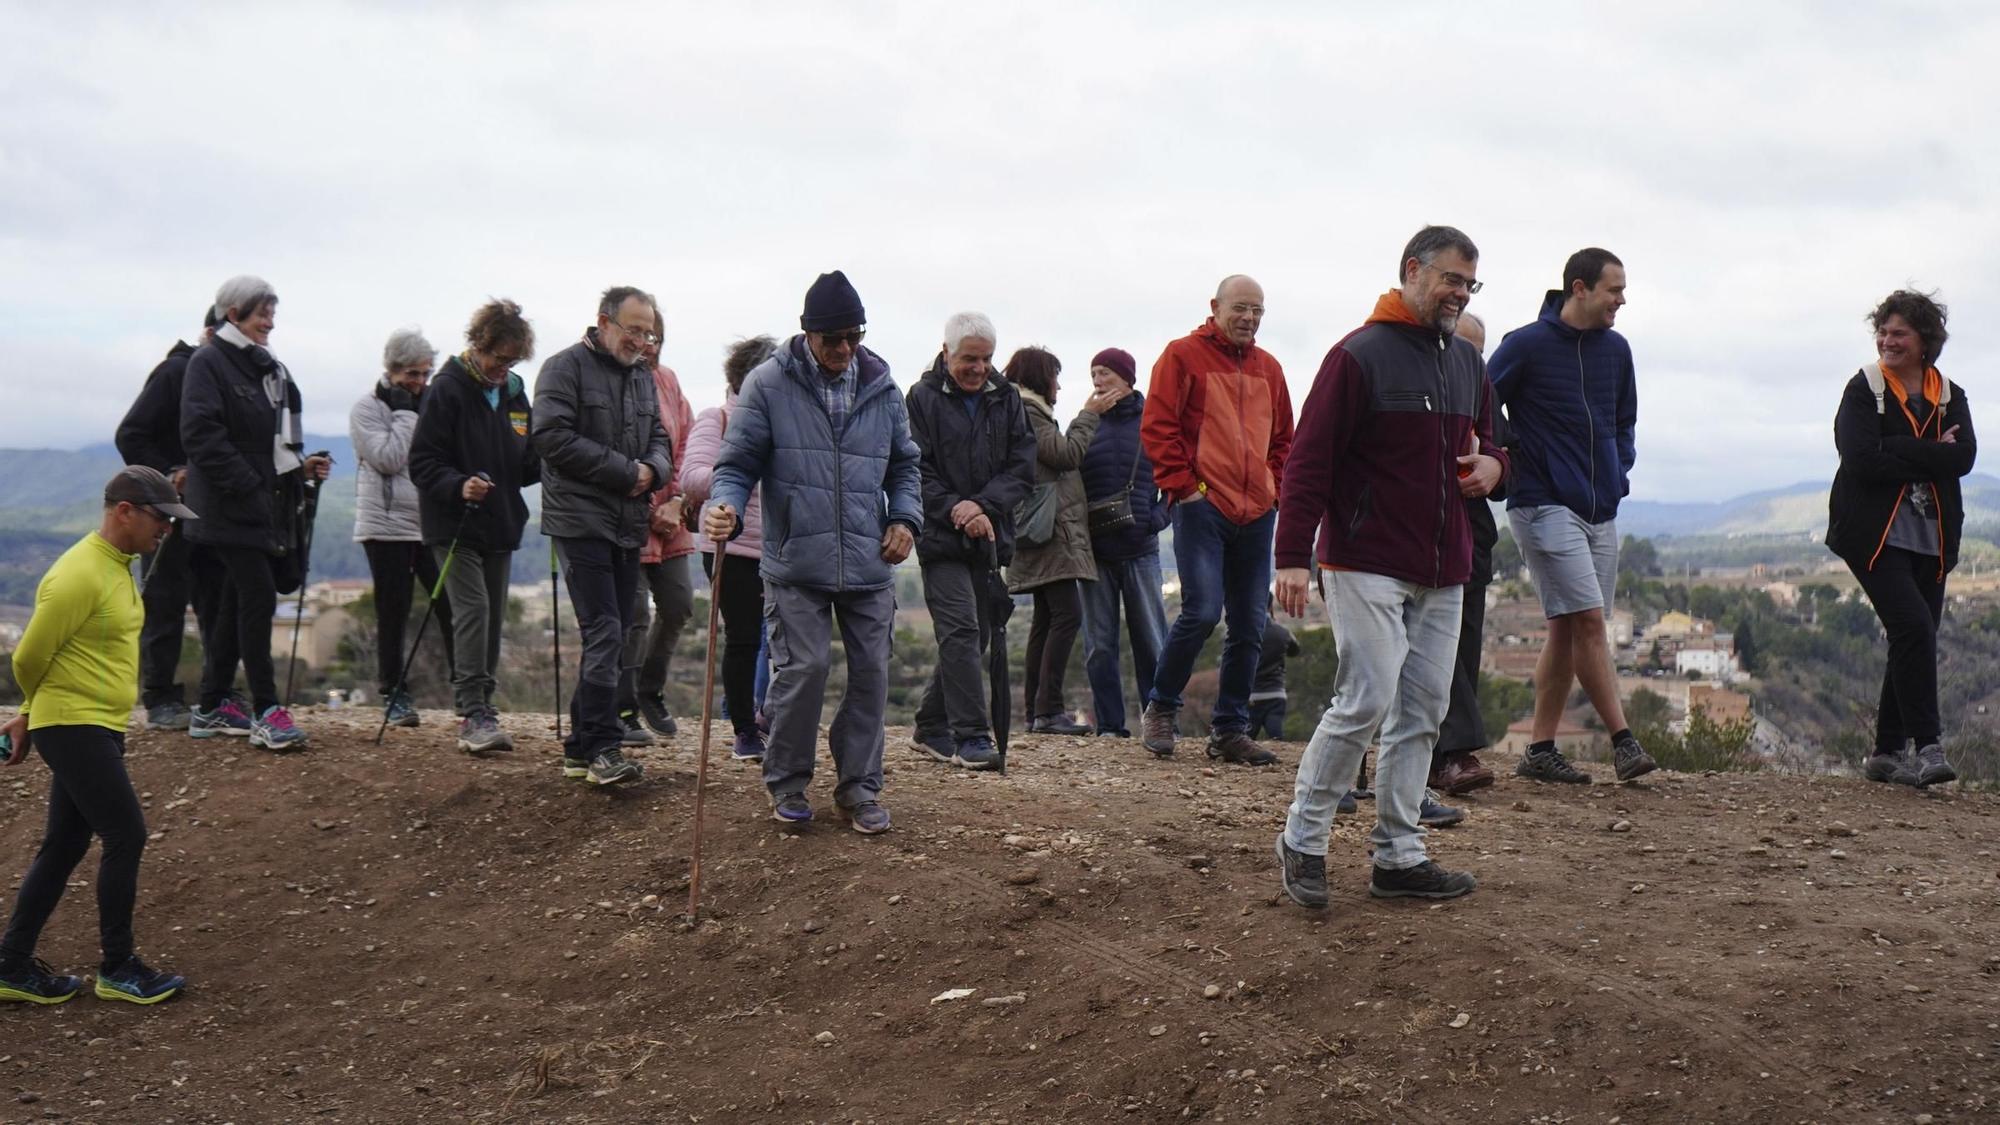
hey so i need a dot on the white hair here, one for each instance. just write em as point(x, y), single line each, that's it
point(968, 326)
point(246, 293)
point(406, 347)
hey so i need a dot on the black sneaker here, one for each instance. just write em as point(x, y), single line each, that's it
point(1932, 768)
point(792, 808)
point(941, 747)
point(1235, 746)
point(1347, 805)
point(636, 733)
point(1897, 768)
point(171, 715)
point(977, 753)
point(1156, 729)
point(35, 983)
point(1058, 723)
point(612, 767)
point(653, 709)
point(578, 768)
point(1303, 876)
point(1550, 765)
point(1630, 759)
point(1436, 814)
point(135, 983)
point(1425, 880)
point(399, 711)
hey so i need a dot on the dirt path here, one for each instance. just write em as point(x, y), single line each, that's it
point(407, 934)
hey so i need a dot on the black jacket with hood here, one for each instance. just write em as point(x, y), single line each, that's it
point(986, 454)
point(1884, 453)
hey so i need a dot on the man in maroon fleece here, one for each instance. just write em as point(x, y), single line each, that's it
point(1396, 433)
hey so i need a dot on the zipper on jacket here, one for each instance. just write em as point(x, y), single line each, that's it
point(1445, 454)
point(1590, 428)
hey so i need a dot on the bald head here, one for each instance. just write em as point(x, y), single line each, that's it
point(1238, 309)
point(1472, 330)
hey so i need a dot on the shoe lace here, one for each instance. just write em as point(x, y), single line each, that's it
point(229, 708)
point(277, 718)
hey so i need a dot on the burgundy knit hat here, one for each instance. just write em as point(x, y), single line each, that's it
point(1119, 360)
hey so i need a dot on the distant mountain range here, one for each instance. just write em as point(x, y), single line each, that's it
point(1797, 509)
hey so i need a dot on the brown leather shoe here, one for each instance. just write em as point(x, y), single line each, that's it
point(1460, 774)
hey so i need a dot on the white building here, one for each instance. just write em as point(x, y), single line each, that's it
point(1707, 661)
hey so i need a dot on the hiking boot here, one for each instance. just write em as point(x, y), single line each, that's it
point(1630, 759)
point(792, 808)
point(977, 753)
point(1156, 729)
point(941, 747)
point(1425, 880)
point(1550, 765)
point(653, 709)
point(135, 983)
point(867, 818)
point(171, 715)
point(1897, 766)
point(1348, 805)
point(1932, 768)
point(400, 711)
point(1238, 747)
point(749, 747)
point(575, 767)
point(273, 730)
point(228, 719)
point(1303, 876)
point(480, 733)
point(1459, 774)
point(636, 733)
point(35, 983)
point(1436, 814)
point(1058, 723)
point(612, 767)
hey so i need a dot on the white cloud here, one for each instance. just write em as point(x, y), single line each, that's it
point(1083, 172)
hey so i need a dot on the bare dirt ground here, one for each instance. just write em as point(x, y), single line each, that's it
point(408, 934)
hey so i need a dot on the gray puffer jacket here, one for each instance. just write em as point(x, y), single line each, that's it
point(594, 422)
point(827, 504)
point(385, 502)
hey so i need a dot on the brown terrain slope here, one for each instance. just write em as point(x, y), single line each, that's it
point(409, 934)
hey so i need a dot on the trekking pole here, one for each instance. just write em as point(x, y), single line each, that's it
point(309, 508)
point(555, 635)
point(153, 564)
point(437, 591)
point(707, 714)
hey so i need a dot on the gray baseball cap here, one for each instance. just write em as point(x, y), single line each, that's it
point(147, 487)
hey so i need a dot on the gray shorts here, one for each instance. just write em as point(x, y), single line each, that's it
point(1574, 564)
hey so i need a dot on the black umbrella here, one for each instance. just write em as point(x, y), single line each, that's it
point(999, 607)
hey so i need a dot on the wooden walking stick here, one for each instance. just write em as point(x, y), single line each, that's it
point(707, 714)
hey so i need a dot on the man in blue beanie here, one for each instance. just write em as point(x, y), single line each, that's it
point(821, 426)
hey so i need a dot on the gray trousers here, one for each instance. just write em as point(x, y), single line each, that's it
point(476, 588)
point(800, 620)
point(955, 698)
point(650, 638)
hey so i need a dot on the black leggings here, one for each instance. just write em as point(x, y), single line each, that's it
point(90, 794)
point(1051, 635)
point(1908, 595)
point(239, 586)
point(742, 630)
point(396, 567)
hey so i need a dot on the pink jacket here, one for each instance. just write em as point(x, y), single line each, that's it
point(677, 418)
point(697, 473)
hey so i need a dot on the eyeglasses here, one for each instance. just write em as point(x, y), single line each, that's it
point(851, 337)
point(637, 333)
point(154, 512)
point(1459, 280)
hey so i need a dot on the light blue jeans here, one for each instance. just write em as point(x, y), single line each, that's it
point(1133, 585)
point(1397, 642)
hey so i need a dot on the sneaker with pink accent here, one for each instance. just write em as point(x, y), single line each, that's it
point(228, 719)
point(274, 730)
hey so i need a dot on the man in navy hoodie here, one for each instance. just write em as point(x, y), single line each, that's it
point(1567, 384)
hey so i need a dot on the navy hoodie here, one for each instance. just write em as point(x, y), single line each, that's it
point(1114, 461)
point(1572, 398)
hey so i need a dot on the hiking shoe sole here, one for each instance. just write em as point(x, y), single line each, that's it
point(1460, 883)
point(8, 993)
point(1285, 879)
point(575, 768)
point(1636, 767)
point(494, 746)
point(112, 992)
point(948, 757)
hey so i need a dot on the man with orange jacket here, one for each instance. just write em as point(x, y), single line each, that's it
point(1217, 427)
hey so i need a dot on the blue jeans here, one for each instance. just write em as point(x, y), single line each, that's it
point(1135, 585)
point(1225, 572)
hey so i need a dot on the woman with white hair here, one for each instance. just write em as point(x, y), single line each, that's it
point(246, 472)
point(386, 520)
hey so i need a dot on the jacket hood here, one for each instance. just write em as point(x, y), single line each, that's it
point(456, 367)
point(1551, 315)
point(1390, 308)
point(1208, 331)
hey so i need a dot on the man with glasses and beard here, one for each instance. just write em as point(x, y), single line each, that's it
point(1393, 438)
point(596, 427)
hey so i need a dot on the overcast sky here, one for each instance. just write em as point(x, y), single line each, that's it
point(1084, 173)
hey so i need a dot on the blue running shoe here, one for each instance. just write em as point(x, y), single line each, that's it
point(135, 983)
point(35, 983)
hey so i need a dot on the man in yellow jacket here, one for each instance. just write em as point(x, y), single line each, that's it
point(78, 667)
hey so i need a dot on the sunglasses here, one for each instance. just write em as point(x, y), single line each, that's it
point(851, 337)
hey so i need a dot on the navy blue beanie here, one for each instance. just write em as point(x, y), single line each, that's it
point(832, 304)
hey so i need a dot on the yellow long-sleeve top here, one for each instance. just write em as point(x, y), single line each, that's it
point(78, 660)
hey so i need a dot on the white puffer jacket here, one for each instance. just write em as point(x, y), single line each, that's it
point(385, 502)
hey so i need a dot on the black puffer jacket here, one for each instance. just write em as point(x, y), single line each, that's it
point(1882, 456)
point(595, 421)
point(150, 433)
point(459, 434)
point(986, 455)
point(229, 431)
